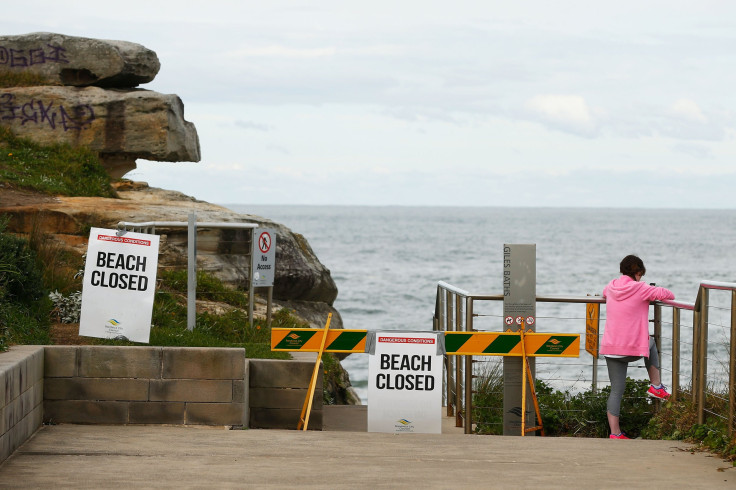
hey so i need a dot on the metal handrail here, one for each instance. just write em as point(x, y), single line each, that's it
point(700, 329)
point(193, 225)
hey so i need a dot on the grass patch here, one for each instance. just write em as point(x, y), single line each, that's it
point(56, 170)
point(11, 79)
point(230, 329)
point(209, 288)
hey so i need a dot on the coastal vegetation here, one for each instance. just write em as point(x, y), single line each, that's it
point(54, 170)
point(583, 414)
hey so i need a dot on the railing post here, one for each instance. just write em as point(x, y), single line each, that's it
point(269, 306)
point(703, 356)
point(658, 340)
point(675, 352)
point(192, 272)
point(695, 369)
point(469, 371)
point(458, 373)
point(732, 368)
point(251, 289)
point(451, 401)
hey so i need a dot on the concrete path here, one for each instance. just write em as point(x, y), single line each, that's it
point(88, 456)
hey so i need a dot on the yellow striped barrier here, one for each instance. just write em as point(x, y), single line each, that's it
point(456, 343)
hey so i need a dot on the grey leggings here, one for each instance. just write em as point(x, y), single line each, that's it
point(617, 367)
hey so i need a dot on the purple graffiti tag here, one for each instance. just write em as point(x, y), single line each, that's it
point(35, 111)
point(33, 116)
point(4, 56)
point(7, 105)
point(82, 117)
point(57, 54)
point(17, 58)
point(45, 114)
point(37, 56)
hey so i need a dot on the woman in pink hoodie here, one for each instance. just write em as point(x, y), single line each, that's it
point(626, 335)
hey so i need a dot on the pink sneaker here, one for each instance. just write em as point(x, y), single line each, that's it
point(618, 436)
point(660, 393)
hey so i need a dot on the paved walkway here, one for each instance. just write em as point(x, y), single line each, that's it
point(89, 456)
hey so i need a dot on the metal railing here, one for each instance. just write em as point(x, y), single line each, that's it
point(455, 311)
point(192, 227)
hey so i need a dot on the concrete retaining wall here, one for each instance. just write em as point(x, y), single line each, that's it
point(21, 396)
point(145, 385)
point(277, 393)
point(148, 385)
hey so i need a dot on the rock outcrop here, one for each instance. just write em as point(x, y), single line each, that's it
point(121, 125)
point(299, 277)
point(78, 61)
point(112, 118)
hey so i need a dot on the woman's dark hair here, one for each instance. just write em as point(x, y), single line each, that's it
point(632, 265)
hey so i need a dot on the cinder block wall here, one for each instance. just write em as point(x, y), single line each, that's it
point(277, 393)
point(21, 396)
point(145, 385)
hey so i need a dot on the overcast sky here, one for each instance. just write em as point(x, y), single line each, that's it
point(473, 103)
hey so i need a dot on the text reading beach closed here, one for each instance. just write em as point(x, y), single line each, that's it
point(119, 285)
point(405, 381)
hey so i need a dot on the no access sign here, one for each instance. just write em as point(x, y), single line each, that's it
point(264, 257)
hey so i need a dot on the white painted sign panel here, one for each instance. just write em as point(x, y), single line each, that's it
point(264, 257)
point(119, 285)
point(405, 383)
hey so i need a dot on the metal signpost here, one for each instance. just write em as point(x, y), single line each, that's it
point(263, 266)
point(519, 308)
point(592, 325)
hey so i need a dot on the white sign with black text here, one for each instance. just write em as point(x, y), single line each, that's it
point(405, 383)
point(119, 285)
point(264, 257)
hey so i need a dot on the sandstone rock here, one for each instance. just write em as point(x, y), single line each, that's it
point(78, 61)
point(121, 125)
point(299, 273)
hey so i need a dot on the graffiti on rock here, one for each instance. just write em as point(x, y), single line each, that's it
point(20, 58)
point(50, 113)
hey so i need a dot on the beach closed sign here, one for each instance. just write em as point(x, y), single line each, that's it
point(405, 383)
point(119, 285)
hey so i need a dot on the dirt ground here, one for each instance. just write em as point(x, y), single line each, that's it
point(11, 197)
point(67, 334)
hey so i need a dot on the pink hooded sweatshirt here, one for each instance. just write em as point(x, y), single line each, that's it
point(627, 316)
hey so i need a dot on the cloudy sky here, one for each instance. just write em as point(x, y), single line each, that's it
point(471, 103)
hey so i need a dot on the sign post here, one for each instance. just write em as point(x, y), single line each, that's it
point(519, 310)
point(119, 285)
point(264, 257)
point(262, 266)
point(592, 326)
point(405, 383)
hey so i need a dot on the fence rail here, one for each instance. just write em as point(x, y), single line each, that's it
point(193, 226)
point(455, 311)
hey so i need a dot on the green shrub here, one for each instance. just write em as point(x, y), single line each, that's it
point(563, 413)
point(21, 280)
point(679, 420)
point(24, 310)
point(488, 399)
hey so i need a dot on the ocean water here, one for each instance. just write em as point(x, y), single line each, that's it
point(386, 262)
